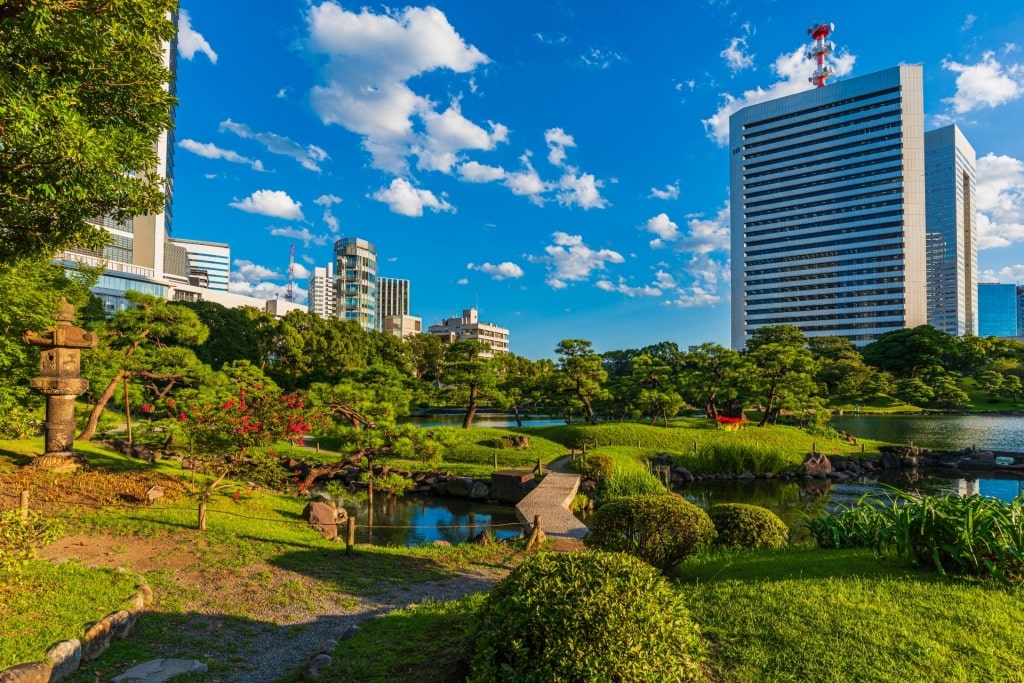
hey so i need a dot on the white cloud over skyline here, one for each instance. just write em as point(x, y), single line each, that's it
point(308, 156)
point(191, 41)
point(501, 271)
point(570, 260)
point(402, 198)
point(1000, 193)
point(210, 150)
point(273, 203)
point(984, 84)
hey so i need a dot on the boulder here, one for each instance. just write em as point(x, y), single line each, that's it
point(323, 518)
point(480, 491)
point(318, 662)
point(511, 486)
point(65, 657)
point(890, 461)
point(96, 640)
point(29, 672)
point(816, 465)
point(682, 475)
point(460, 487)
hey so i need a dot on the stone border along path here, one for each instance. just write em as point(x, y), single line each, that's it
point(551, 500)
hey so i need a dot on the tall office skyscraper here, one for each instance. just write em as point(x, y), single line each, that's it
point(997, 310)
point(321, 292)
point(356, 281)
point(828, 209)
point(952, 229)
point(392, 296)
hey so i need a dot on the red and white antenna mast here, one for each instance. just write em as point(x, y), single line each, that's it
point(289, 292)
point(819, 50)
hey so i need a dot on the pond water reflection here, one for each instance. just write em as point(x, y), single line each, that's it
point(414, 520)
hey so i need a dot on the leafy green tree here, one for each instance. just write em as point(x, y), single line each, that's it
point(713, 377)
point(1011, 388)
point(784, 370)
point(309, 349)
point(365, 398)
point(470, 376)
point(946, 393)
point(521, 383)
point(908, 352)
point(82, 104)
point(426, 356)
point(243, 333)
point(580, 378)
point(913, 391)
point(657, 397)
point(841, 368)
point(990, 381)
point(143, 338)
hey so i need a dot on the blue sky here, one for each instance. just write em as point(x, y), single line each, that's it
point(561, 166)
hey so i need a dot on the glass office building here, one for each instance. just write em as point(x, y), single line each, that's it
point(828, 209)
point(997, 310)
point(355, 281)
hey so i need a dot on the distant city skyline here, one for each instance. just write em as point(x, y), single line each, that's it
point(562, 167)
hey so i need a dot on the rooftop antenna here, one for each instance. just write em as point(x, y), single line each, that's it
point(819, 50)
point(289, 292)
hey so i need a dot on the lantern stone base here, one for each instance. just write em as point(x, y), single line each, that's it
point(61, 462)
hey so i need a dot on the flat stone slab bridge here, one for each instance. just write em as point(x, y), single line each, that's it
point(551, 500)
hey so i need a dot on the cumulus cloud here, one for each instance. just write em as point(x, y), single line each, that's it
point(327, 201)
point(665, 229)
point(570, 260)
point(370, 61)
point(209, 150)
point(736, 56)
point(580, 190)
point(247, 271)
point(402, 198)
point(985, 84)
point(792, 71)
point(623, 287)
point(1005, 274)
point(670, 192)
point(309, 156)
point(500, 271)
point(698, 282)
point(527, 182)
point(1000, 182)
point(275, 203)
point(557, 140)
point(191, 41)
point(251, 279)
point(474, 172)
point(302, 234)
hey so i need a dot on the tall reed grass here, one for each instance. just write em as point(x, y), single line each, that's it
point(736, 458)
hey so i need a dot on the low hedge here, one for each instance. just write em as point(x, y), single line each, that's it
point(742, 527)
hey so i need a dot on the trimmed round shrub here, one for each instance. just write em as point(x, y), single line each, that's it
point(597, 466)
point(741, 526)
point(584, 617)
point(659, 529)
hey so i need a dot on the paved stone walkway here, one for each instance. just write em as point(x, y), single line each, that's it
point(551, 500)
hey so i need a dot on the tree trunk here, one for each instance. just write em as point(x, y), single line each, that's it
point(515, 413)
point(127, 412)
point(768, 408)
point(101, 404)
point(467, 421)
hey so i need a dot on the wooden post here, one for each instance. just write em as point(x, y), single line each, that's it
point(495, 460)
point(202, 515)
point(318, 445)
point(24, 505)
point(862, 448)
point(584, 447)
point(540, 467)
point(814, 447)
point(350, 539)
point(695, 448)
point(638, 444)
point(536, 536)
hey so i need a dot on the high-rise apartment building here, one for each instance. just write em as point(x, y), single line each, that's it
point(997, 310)
point(828, 209)
point(952, 231)
point(356, 281)
point(322, 299)
point(209, 263)
point(392, 297)
point(469, 327)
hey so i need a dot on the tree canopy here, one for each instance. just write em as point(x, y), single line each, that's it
point(83, 101)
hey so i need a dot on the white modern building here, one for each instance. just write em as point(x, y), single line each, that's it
point(322, 299)
point(209, 263)
point(952, 231)
point(469, 327)
point(356, 281)
point(828, 209)
point(392, 296)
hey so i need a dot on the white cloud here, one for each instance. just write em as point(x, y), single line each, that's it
point(247, 271)
point(735, 56)
point(1007, 274)
point(301, 272)
point(191, 41)
point(596, 58)
point(581, 190)
point(299, 234)
point(793, 72)
point(557, 140)
point(570, 260)
point(527, 182)
point(665, 280)
point(474, 172)
point(209, 150)
point(275, 203)
point(327, 201)
point(670, 192)
point(968, 22)
point(282, 93)
point(1000, 182)
point(500, 271)
point(985, 84)
point(708, 234)
point(694, 298)
point(665, 229)
point(402, 198)
point(309, 157)
point(462, 281)
point(622, 287)
point(371, 58)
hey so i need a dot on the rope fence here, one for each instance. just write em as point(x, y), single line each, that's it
point(24, 508)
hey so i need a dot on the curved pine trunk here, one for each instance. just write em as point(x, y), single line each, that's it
point(101, 405)
point(467, 421)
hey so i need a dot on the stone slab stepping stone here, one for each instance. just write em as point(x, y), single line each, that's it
point(158, 670)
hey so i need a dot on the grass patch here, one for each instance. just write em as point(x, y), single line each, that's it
point(53, 602)
point(803, 614)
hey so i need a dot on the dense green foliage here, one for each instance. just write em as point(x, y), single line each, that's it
point(661, 530)
point(20, 538)
point(970, 535)
point(743, 527)
point(584, 618)
point(83, 101)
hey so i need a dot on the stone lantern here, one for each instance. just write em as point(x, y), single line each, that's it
point(60, 381)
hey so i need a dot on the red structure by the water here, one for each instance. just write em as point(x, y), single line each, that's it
point(819, 50)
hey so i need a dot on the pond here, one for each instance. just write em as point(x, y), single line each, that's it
point(500, 420)
point(414, 520)
point(1003, 432)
